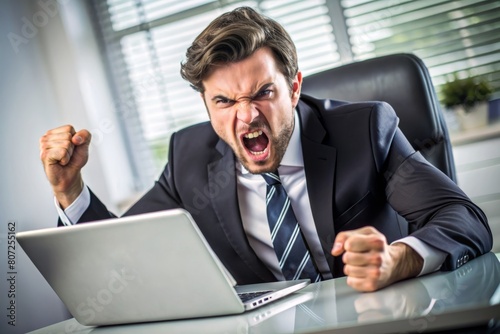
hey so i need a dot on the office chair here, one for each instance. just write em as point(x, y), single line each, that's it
point(403, 81)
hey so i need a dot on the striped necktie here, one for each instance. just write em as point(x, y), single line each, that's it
point(294, 258)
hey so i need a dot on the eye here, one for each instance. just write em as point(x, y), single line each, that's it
point(223, 102)
point(263, 94)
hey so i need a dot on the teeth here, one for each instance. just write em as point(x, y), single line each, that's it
point(258, 153)
point(253, 134)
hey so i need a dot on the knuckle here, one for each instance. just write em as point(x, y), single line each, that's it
point(371, 286)
point(383, 238)
point(345, 257)
point(351, 282)
point(57, 153)
point(376, 259)
point(371, 229)
point(375, 273)
point(348, 244)
point(67, 127)
point(346, 270)
point(43, 155)
point(377, 241)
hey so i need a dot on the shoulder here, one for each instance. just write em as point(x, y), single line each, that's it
point(348, 118)
point(196, 143)
point(328, 108)
point(364, 126)
point(200, 135)
point(203, 128)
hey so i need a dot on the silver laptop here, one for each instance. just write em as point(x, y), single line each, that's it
point(150, 267)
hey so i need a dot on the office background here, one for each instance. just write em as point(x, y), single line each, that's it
point(112, 67)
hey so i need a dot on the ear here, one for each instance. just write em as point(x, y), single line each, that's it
point(296, 87)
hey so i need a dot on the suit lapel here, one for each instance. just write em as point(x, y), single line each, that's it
point(319, 166)
point(226, 207)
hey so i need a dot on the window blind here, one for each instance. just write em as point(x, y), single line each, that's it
point(145, 41)
point(461, 36)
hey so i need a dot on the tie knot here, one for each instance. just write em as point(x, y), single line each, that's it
point(272, 178)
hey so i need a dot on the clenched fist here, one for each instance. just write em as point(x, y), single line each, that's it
point(370, 263)
point(64, 152)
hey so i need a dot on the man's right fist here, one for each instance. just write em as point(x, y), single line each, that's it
point(64, 152)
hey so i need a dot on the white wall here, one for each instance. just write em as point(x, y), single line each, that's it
point(478, 174)
point(44, 84)
point(27, 110)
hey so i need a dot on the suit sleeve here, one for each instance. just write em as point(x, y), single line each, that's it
point(438, 212)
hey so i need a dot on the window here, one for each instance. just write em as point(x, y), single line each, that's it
point(460, 37)
point(145, 41)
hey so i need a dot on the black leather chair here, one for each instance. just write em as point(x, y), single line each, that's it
point(403, 81)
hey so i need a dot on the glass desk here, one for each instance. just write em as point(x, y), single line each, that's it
point(462, 298)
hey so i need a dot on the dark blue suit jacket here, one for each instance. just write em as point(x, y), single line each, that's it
point(360, 171)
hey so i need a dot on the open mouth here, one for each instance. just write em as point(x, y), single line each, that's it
point(256, 142)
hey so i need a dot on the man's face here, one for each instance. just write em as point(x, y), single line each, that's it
point(251, 107)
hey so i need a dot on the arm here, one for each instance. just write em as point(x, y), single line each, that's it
point(439, 214)
point(64, 152)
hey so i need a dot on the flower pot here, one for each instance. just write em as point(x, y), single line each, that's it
point(476, 117)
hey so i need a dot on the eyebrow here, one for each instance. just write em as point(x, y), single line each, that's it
point(263, 87)
point(222, 97)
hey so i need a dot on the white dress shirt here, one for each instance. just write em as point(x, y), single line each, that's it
point(251, 195)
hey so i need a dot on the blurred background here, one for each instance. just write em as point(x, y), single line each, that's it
point(113, 67)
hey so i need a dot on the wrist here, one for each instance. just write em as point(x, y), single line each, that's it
point(408, 263)
point(70, 194)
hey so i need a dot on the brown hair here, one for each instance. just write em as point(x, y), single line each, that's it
point(234, 36)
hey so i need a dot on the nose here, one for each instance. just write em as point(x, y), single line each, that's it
point(246, 111)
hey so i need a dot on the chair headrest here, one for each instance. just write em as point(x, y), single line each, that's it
point(402, 80)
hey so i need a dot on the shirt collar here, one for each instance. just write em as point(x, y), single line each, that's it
point(293, 154)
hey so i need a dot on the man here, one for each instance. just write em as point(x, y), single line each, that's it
point(335, 162)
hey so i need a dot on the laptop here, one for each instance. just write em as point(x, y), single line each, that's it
point(150, 267)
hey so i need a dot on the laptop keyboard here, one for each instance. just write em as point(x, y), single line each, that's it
point(246, 296)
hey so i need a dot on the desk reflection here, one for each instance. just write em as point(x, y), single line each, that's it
point(467, 296)
point(418, 304)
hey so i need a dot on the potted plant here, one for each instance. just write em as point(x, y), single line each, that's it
point(469, 98)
